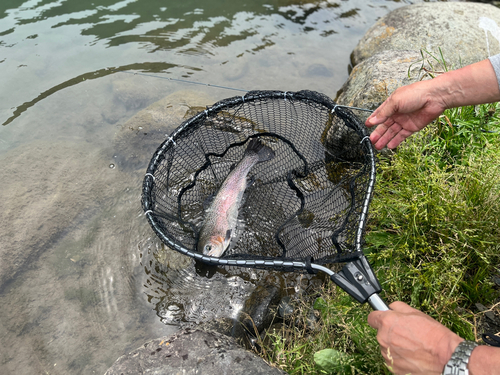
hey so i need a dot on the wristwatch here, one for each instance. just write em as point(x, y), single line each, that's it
point(457, 365)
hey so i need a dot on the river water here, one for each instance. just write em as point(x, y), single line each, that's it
point(81, 281)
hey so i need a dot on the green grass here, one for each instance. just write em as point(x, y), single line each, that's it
point(342, 327)
point(433, 241)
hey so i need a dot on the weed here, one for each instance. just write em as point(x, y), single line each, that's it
point(351, 343)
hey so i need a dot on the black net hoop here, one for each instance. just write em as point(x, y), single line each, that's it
point(309, 202)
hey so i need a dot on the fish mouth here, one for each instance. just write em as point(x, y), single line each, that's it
point(215, 253)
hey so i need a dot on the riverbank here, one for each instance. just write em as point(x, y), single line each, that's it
point(433, 238)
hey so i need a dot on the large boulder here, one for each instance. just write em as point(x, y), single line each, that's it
point(192, 352)
point(374, 79)
point(465, 32)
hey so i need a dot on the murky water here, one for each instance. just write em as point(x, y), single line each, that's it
point(83, 279)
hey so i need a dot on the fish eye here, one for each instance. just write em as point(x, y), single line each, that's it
point(208, 247)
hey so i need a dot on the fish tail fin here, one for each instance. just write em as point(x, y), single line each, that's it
point(264, 152)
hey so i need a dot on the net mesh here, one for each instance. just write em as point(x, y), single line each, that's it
point(309, 201)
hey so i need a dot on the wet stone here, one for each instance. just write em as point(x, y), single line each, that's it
point(487, 313)
point(285, 308)
point(139, 137)
point(226, 326)
point(192, 352)
point(258, 312)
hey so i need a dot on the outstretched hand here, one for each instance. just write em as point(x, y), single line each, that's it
point(412, 342)
point(408, 110)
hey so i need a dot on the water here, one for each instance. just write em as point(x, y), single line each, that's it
point(83, 279)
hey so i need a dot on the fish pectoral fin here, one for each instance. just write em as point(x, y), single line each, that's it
point(250, 181)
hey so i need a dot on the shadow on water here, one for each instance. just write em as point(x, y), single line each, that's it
point(83, 279)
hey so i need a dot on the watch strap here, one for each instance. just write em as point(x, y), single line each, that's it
point(457, 365)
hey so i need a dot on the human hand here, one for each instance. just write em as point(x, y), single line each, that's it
point(408, 110)
point(412, 342)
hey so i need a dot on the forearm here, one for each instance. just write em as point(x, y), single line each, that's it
point(485, 360)
point(472, 84)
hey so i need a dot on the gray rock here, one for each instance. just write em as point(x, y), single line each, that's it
point(202, 299)
point(374, 79)
point(496, 280)
point(192, 352)
point(487, 312)
point(258, 311)
point(225, 326)
point(464, 32)
point(286, 308)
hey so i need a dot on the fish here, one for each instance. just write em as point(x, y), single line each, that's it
point(222, 215)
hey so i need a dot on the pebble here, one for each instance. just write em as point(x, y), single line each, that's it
point(496, 280)
point(489, 314)
point(285, 308)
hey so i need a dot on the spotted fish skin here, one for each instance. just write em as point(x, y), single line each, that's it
point(222, 215)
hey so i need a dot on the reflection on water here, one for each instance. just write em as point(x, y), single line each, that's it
point(49, 45)
point(83, 279)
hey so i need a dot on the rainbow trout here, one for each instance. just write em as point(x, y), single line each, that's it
point(222, 215)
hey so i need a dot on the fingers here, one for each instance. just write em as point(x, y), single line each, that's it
point(398, 138)
point(385, 133)
point(389, 134)
point(374, 119)
point(376, 318)
point(381, 114)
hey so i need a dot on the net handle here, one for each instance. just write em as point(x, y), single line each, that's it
point(358, 280)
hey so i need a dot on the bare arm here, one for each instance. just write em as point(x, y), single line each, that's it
point(412, 342)
point(485, 360)
point(411, 108)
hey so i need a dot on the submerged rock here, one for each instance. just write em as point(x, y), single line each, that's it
point(51, 186)
point(139, 137)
